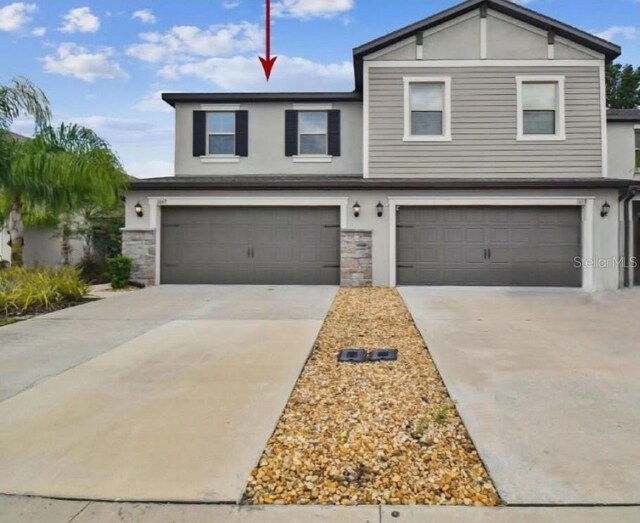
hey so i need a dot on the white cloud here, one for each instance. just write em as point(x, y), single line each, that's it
point(14, 17)
point(149, 169)
point(152, 102)
point(124, 130)
point(240, 73)
point(232, 4)
point(80, 20)
point(39, 31)
point(625, 31)
point(311, 8)
point(74, 60)
point(182, 43)
point(146, 16)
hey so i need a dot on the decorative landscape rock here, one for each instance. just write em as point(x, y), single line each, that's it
point(370, 433)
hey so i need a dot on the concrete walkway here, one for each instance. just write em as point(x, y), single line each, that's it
point(37, 510)
point(167, 394)
point(546, 382)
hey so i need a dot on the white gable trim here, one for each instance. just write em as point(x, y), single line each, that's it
point(480, 63)
point(579, 47)
point(393, 47)
point(517, 23)
point(446, 25)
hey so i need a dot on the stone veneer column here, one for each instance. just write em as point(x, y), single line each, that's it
point(356, 267)
point(140, 245)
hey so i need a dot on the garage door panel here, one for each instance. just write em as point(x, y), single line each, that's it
point(250, 245)
point(453, 234)
point(532, 246)
point(475, 235)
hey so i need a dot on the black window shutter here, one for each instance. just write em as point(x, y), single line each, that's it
point(291, 133)
point(199, 133)
point(334, 132)
point(242, 133)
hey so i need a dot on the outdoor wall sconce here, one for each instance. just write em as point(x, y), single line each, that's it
point(604, 210)
point(139, 210)
point(356, 209)
point(380, 209)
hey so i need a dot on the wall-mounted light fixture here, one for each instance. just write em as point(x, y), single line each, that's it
point(380, 209)
point(139, 210)
point(604, 210)
point(356, 209)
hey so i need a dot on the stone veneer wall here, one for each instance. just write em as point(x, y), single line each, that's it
point(356, 265)
point(140, 245)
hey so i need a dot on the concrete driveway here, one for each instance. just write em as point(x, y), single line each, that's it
point(547, 384)
point(166, 394)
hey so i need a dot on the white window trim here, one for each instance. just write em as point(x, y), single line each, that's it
point(560, 134)
point(587, 203)
point(314, 156)
point(157, 202)
point(446, 113)
point(220, 158)
point(636, 129)
point(312, 107)
point(216, 108)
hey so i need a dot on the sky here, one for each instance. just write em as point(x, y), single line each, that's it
point(104, 63)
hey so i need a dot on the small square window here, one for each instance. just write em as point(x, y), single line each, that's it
point(312, 132)
point(221, 131)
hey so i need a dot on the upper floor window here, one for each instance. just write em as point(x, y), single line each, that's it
point(221, 133)
point(312, 133)
point(540, 108)
point(637, 149)
point(427, 103)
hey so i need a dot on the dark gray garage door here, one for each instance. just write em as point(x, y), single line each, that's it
point(514, 246)
point(250, 245)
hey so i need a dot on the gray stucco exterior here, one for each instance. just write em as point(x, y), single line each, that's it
point(266, 143)
point(621, 150)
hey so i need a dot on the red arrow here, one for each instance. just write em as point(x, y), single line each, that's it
point(267, 63)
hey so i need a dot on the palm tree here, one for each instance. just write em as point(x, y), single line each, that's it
point(20, 96)
point(61, 171)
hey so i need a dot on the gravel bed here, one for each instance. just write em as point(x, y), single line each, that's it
point(370, 433)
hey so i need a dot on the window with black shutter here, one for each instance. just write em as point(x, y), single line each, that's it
point(312, 133)
point(221, 133)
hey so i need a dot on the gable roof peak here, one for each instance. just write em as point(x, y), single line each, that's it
point(506, 7)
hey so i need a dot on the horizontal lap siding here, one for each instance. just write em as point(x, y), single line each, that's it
point(483, 121)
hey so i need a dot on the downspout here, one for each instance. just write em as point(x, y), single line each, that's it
point(626, 200)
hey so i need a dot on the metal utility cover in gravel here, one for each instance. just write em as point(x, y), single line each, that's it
point(370, 434)
point(352, 355)
point(383, 355)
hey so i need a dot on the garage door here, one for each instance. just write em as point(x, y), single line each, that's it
point(250, 245)
point(513, 246)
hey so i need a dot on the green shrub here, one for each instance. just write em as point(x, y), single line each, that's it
point(120, 271)
point(25, 290)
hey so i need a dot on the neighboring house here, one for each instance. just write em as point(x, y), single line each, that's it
point(42, 245)
point(475, 150)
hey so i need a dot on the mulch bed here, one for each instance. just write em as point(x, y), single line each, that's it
point(370, 433)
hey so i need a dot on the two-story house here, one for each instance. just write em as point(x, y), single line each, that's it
point(474, 150)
